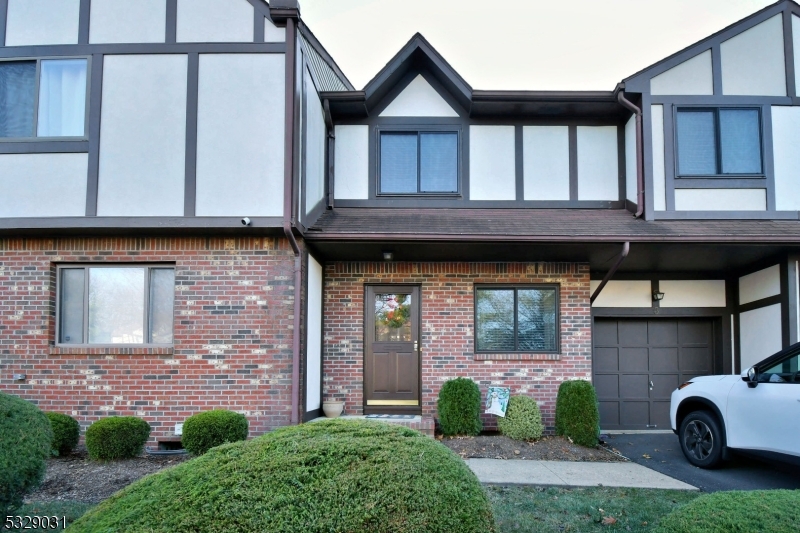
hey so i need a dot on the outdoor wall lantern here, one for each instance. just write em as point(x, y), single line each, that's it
point(388, 256)
point(658, 296)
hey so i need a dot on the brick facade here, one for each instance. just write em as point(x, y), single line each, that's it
point(232, 332)
point(447, 329)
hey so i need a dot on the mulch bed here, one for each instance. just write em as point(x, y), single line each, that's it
point(545, 449)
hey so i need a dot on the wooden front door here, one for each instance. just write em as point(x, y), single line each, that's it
point(391, 349)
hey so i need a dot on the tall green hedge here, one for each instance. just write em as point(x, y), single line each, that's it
point(117, 437)
point(577, 415)
point(25, 437)
point(336, 475)
point(523, 420)
point(459, 407)
point(208, 429)
point(66, 432)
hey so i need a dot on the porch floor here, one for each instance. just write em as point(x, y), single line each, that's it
point(423, 424)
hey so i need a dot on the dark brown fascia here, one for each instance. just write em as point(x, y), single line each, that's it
point(281, 10)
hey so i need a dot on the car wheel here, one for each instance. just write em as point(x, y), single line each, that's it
point(701, 439)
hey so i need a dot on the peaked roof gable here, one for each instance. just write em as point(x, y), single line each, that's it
point(419, 99)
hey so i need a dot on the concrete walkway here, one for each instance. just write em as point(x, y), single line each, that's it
point(572, 474)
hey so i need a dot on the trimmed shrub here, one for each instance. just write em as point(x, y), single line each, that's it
point(204, 431)
point(66, 433)
point(117, 437)
point(25, 437)
point(336, 475)
point(768, 511)
point(577, 415)
point(459, 407)
point(523, 420)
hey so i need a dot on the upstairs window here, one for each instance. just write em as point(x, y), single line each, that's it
point(517, 319)
point(127, 305)
point(719, 141)
point(43, 98)
point(418, 162)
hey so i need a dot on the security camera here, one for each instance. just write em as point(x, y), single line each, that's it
point(246, 221)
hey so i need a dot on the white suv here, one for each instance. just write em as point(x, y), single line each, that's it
point(758, 412)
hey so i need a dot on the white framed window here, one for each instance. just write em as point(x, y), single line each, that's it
point(115, 305)
point(43, 98)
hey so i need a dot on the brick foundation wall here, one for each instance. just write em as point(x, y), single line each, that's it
point(447, 329)
point(232, 332)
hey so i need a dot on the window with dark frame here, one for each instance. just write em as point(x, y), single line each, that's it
point(718, 141)
point(522, 318)
point(115, 305)
point(43, 98)
point(418, 162)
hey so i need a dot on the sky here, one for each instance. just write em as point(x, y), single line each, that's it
point(520, 44)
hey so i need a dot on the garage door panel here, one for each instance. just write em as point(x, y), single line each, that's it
point(606, 360)
point(605, 333)
point(659, 415)
point(633, 359)
point(607, 386)
point(664, 384)
point(663, 332)
point(694, 332)
point(633, 333)
point(609, 414)
point(695, 359)
point(636, 414)
point(634, 386)
point(663, 359)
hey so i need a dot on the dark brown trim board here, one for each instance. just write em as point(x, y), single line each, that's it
point(141, 48)
point(95, 103)
point(190, 183)
point(3, 16)
point(83, 21)
point(44, 147)
point(171, 36)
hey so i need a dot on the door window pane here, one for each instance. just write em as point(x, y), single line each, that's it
point(116, 305)
point(438, 162)
point(740, 141)
point(697, 151)
point(62, 98)
point(162, 295)
point(393, 317)
point(71, 306)
point(536, 317)
point(494, 328)
point(17, 92)
point(398, 163)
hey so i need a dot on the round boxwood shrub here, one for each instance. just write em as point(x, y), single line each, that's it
point(577, 415)
point(337, 475)
point(523, 420)
point(117, 437)
point(768, 511)
point(66, 432)
point(25, 437)
point(459, 407)
point(203, 431)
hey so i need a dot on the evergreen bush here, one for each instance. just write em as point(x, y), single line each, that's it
point(66, 433)
point(25, 437)
point(117, 437)
point(523, 420)
point(577, 415)
point(335, 475)
point(459, 407)
point(204, 431)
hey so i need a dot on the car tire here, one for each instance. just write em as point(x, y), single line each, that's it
point(701, 439)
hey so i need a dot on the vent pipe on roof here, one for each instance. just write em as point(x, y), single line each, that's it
point(620, 258)
point(639, 152)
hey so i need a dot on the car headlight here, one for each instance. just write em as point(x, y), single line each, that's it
point(684, 385)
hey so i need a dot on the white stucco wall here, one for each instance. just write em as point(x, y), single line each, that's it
point(598, 163)
point(760, 334)
point(692, 293)
point(692, 77)
point(142, 21)
point(630, 160)
point(272, 33)
point(720, 200)
point(38, 22)
point(753, 62)
point(760, 285)
point(314, 336)
point(545, 161)
point(214, 21)
point(43, 185)
point(659, 170)
point(351, 163)
point(314, 183)
point(419, 99)
point(785, 140)
point(492, 163)
point(623, 293)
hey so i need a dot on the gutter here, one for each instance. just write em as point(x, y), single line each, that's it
point(639, 152)
point(288, 178)
point(620, 258)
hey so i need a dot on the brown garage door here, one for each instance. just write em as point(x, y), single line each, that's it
point(637, 363)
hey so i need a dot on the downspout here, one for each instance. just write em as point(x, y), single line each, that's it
point(625, 249)
point(639, 152)
point(288, 203)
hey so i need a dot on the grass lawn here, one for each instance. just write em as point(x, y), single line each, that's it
point(529, 509)
point(71, 510)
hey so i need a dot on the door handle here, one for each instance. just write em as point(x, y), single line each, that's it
point(651, 384)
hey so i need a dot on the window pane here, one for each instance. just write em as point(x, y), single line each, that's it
point(162, 296)
point(697, 152)
point(494, 328)
point(71, 306)
point(536, 319)
point(17, 91)
point(398, 163)
point(393, 317)
point(740, 141)
point(62, 98)
point(116, 305)
point(438, 162)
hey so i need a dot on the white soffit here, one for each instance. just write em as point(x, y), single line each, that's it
point(659, 169)
point(692, 293)
point(623, 294)
point(419, 99)
point(753, 61)
point(38, 22)
point(351, 161)
point(143, 21)
point(760, 285)
point(693, 76)
point(786, 156)
point(720, 199)
point(759, 334)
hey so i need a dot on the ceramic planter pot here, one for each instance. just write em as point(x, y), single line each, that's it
point(332, 409)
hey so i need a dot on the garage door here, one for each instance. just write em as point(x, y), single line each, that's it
point(637, 363)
